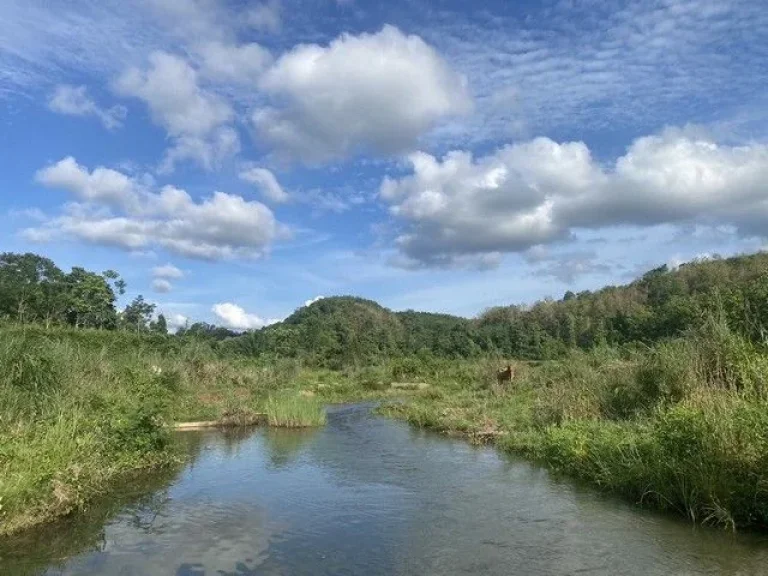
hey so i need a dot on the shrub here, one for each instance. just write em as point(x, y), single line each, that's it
point(665, 374)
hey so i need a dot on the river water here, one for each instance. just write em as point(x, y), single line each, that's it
point(368, 496)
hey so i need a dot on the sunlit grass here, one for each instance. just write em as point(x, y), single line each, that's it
point(293, 411)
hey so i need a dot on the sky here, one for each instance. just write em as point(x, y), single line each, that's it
point(235, 160)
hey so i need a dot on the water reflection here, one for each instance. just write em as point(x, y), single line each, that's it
point(284, 446)
point(369, 496)
point(136, 501)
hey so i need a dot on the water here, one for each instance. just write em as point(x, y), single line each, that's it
point(369, 496)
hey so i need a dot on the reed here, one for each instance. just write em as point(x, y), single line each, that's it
point(293, 411)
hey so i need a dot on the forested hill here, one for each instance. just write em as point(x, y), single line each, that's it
point(662, 303)
point(345, 330)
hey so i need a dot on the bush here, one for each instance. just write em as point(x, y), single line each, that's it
point(664, 375)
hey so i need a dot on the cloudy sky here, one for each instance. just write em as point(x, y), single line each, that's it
point(235, 159)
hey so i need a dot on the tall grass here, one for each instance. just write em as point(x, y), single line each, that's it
point(681, 426)
point(78, 408)
point(294, 411)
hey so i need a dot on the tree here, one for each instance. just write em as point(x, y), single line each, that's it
point(118, 283)
point(137, 314)
point(90, 300)
point(31, 288)
point(160, 326)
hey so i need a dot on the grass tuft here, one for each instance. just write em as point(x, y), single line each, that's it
point(293, 411)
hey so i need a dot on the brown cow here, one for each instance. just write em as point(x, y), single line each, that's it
point(506, 375)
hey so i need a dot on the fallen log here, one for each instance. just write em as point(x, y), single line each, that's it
point(226, 422)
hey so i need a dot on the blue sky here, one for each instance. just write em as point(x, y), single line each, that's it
point(234, 159)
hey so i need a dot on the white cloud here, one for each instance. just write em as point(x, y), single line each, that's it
point(75, 101)
point(265, 17)
point(565, 266)
point(242, 64)
point(313, 300)
point(161, 285)
point(176, 321)
point(644, 65)
point(167, 271)
point(195, 119)
point(210, 152)
point(192, 18)
point(538, 192)
point(266, 182)
point(236, 318)
point(217, 227)
point(373, 91)
point(102, 185)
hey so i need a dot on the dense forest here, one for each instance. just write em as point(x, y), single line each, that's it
point(342, 331)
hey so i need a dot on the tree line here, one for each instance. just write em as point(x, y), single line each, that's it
point(33, 289)
point(661, 304)
point(342, 331)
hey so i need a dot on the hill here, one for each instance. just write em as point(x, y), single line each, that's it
point(345, 330)
point(661, 304)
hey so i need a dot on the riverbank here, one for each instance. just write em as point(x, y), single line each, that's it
point(681, 426)
point(80, 409)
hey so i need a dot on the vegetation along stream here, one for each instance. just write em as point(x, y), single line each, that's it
point(366, 495)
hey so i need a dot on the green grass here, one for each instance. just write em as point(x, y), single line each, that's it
point(80, 408)
point(294, 411)
point(681, 426)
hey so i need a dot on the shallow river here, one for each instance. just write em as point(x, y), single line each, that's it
point(368, 496)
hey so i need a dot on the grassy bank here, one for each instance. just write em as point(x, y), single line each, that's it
point(78, 409)
point(681, 427)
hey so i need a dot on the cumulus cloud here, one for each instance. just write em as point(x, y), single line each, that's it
point(75, 101)
point(236, 318)
point(537, 192)
point(161, 285)
point(119, 211)
point(266, 182)
point(241, 64)
point(373, 91)
point(102, 185)
point(265, 17)
point(196, 119)
point(167, 271)
point(313, 300)
point(176, 321)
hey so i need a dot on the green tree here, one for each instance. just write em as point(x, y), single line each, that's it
point(160, 326)
point(90, 300)
point(138, 314)
point(118, 283)
point(31, 288)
